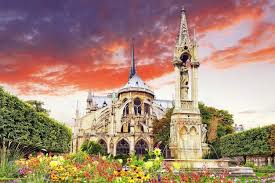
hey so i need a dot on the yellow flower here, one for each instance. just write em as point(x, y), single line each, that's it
point(176, 165)
point(54, 177)
point(146, 177)
point(120, 161)
point(157, 159)
point(157, 152)
point(54, 164)
point(148, 164)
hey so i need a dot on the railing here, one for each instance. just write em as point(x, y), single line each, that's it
point(187, 104)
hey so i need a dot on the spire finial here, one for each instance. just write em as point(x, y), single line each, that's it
point(77, 110)
point(133, 66)
point(183, 38)
point(182, 8)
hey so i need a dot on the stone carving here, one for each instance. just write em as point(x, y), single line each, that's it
point(190, 121)
point(172, 133)
point(184, 80)
point(203, 133)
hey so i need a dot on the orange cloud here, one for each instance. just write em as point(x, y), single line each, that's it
point(255, 47)
point(94, 67)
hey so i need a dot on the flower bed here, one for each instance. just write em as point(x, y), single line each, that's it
point(81, 167)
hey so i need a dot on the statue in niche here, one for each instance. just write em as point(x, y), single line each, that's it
point(184, 80)
point(203, 133)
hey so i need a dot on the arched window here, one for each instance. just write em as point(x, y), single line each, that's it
point(141, 147)
point(122, 147)
point(126, 110)
point(137, 106)
point(104, 145)
point(139, 128)
point(125, 128)
point(193, 131)
point(147, 108)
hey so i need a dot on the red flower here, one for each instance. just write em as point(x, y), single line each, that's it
point(87, 175)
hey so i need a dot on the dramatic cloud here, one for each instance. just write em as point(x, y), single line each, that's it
point(65, 45)
point(256, 47)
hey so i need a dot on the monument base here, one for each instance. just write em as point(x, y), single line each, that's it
point(217, 166)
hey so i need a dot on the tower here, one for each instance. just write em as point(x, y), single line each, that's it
point(185, 129)
point(91, 105)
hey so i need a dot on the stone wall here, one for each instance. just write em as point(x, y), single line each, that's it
point(261, 160)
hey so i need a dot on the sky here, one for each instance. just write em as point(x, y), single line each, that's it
point(56, 51)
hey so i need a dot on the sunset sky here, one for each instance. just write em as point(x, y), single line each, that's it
point(57, 50)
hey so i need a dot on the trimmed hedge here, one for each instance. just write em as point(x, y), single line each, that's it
point(257, 141)
point(21, 123)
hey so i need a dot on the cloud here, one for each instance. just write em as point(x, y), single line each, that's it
point(256, 47)
point(52, 46)
point(248, 112)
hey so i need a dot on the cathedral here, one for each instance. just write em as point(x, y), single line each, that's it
point(123, 124)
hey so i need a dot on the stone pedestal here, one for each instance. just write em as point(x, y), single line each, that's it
point(214, 166)
point(186, 135)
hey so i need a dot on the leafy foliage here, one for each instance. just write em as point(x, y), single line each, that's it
point(251, 142)
point(21, 123)
point(92, 148)
point(38, 106)
point(272, 139)
point(161, 128)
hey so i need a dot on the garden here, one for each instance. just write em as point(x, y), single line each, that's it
point(35, 148)
point(82, 167)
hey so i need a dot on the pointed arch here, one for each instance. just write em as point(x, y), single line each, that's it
point(137, 106)
point(103, 143)
point(193, 130)
point(146, 108)
point(122, 147)
point(126, 110)
point(125, 127)
point(141, 147)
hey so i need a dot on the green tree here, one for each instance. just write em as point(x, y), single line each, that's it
point(253, 142)
point(38, 106)
point(161, 128)
point(92, 148)
point(22, 124)
point(219, 123)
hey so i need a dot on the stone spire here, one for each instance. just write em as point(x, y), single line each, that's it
point(77, 115)
point(133, 65)
point(183, 38)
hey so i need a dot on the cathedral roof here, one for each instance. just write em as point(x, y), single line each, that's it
point(135, 83)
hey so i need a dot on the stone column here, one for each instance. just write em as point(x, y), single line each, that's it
point(177, 88)
point(194, 82)
point(269, 161)
point(132, 145)
point(114, 149)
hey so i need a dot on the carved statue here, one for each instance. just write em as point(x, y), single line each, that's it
point(203, 133)
point(184, 80)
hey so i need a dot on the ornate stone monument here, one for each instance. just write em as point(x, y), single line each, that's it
point(186, 132)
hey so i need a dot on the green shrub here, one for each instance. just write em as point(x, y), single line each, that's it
point(21, 123)
point(8, 168)
point(92, 148)
point(248, 143)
